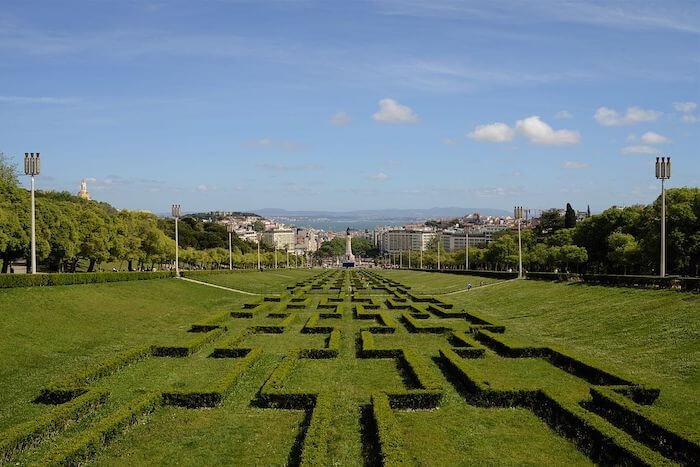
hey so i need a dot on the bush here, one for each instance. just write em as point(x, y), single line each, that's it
point(315, 451)
point(42, 280)
point(388, 430)
point(187, 347)
point(20, 437)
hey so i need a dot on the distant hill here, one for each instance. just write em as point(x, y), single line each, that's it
point(384, 213)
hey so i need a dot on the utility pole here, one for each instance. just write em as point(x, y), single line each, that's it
point(518, 212)
point(176, 212)
point(663, 172)
point(32, 167)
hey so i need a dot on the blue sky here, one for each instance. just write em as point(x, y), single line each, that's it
point(353, 104)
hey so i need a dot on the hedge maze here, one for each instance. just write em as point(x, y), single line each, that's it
point(326, 326)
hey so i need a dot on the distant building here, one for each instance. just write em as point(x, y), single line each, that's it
point(83, 193)
point(280, 238)
point(405, 239)
point(453, 240)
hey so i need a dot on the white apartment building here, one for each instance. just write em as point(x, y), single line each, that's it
point(405, 239)
point(456, 239)
point(280, 238)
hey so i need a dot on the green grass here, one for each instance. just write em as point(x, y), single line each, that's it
point(52, 331)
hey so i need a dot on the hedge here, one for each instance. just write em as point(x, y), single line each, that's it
point(603, 443)
point(389, 432)
point(21, 437)
point(212, 396)
point(211, 323)
point(188, 347)
point(465, 346)
point(689, 284)
point(275, 328)
point(315, 450)
point(626, 415)
point(75, 450)
point(414, 325)
point(74, 385)
point(41, 280)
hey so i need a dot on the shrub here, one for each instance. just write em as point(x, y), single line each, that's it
point(187, 347)
point(23, 436)
point(50, 279)
point(315, 451)
point(388, 430)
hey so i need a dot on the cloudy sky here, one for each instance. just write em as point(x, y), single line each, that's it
point(225, 104)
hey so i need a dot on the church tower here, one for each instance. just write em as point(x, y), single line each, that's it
point(83, 193)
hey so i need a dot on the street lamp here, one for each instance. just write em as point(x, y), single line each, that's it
point(466, 247)
point(663, 172)
point(287, 250)
point(176, 214)
point(438, 253)
point(258, 238)
point(229, 227)
point(32, 167)
point(518, 213)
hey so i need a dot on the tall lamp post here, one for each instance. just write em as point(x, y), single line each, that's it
point(176, 214)
point(663, 172)
point(287, 250)
point(32, 167)
point(466, 247)
point(518, 214)
point(229, 227)
point(258, 237)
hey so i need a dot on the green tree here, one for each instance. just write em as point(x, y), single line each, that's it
point(569, 217)
point(549, 222)
point(623, 250)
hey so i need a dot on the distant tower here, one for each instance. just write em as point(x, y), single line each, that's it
point(349, 257)
point(83, 193)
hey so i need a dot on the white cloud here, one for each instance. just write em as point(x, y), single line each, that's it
point(391, 111)
point(631, 137)
point(339, 118)
point(687, 118)
point(610, 117)
point(575, 165)
point(563, 114)
point(685, 107)
point(449, 141)
point(378, 177)
point(493, 132)
point(639, 149)
point(653, 138)
point(202, 188)
point(539, 132)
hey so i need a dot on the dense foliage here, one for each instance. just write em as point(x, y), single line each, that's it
point(71, 231)
point(361, 247)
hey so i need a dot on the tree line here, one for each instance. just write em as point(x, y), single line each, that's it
point(72, 233)
point(616, 241)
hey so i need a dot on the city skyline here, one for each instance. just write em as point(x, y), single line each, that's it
point(308, 106)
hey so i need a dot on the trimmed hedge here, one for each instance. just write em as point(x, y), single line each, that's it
point(415, 325)
point(84, 445)
point(44, 280)
point(74, 385)
point(388, 431)
point(624, 414)
point(187, 347)
point(465, 346)
point(688, 284)
point(21, 437)
point(214, 395)
point(210, 323)
point(275, 328)
point(602, 442)
point(315, 450)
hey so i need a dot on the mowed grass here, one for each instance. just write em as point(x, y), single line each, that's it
point(436, 283)
point(49, 332)
point(651, 335)
point(262, 282)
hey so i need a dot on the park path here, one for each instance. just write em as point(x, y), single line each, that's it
point(222, 287)
point(478, 288)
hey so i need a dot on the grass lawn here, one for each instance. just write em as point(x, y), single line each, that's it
point(51, 332)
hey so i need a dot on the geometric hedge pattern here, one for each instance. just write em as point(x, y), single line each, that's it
point(611, 425)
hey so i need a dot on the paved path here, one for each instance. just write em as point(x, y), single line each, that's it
point(223, 288)
point(477, 288)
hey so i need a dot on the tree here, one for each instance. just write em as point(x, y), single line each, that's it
point(550, 221)
point(259, 225)
point(569, 217)
point(623, 250)
point(8, 171)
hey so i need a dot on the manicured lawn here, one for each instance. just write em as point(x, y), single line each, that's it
point(51, 332)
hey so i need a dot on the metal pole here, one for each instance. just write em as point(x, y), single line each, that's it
point(663, 229)
point(230, 253)
point(466, 253)
point(33, 231)
point(177, 252)
point(520, 253)
point(258, 252)
point(421, 254)
point(401, 259)
point(438, 256)
point(287, 257)
point(409, 259)
point(275, 256)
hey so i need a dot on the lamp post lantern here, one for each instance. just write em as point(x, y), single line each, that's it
point(32, 167)
point(176, 214)
point(663, 172)
point(229, 227)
